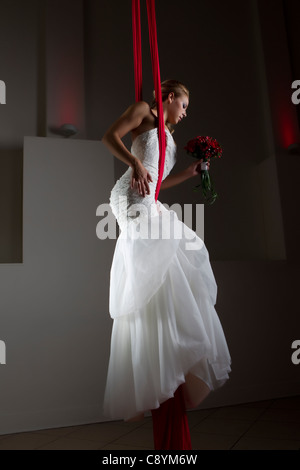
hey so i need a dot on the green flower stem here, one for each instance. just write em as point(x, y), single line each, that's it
point(208, 191)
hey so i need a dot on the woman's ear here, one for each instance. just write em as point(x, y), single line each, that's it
point(171, 97)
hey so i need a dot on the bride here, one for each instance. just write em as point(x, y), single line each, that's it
point(168, 349)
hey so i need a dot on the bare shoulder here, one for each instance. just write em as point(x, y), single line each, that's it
point(147, 120)
point(141, 108)
point(131, 119)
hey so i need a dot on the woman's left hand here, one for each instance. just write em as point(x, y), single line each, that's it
point(195, 168)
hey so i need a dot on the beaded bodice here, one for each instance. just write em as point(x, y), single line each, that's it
point(146, 148)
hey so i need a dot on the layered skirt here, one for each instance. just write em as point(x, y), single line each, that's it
point(162, 298)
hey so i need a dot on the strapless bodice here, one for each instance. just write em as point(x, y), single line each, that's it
point(145, 147)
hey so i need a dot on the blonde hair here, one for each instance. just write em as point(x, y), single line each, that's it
point(170, 86)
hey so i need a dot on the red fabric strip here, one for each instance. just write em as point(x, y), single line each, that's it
point(137, 49)
point(137, 57)
point(170, 424)
point(157, 87)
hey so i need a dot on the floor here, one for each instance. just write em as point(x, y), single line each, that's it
point(266, 425)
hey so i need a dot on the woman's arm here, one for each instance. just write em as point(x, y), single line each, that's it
point(112, 138)
point(191, 170)
point(130, 119)
point(172, 180)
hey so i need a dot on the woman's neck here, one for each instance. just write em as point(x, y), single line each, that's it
point(156, 116)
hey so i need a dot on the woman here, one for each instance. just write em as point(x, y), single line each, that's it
point(168, 349)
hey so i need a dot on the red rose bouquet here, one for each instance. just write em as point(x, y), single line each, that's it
point(205, 148)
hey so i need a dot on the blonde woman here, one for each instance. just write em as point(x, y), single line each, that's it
point(168, 349)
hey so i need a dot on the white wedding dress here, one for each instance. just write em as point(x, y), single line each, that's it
point(162, 297)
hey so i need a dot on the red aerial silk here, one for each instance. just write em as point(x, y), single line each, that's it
point(137, 56)
point(170, 424)
point(137, 49)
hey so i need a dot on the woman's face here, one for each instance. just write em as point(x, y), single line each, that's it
point(176, 108)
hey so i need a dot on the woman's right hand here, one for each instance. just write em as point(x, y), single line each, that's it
point(140, 178)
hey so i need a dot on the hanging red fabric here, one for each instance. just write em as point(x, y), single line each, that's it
point(137, 55)
point(170, 424)
point(137, 49)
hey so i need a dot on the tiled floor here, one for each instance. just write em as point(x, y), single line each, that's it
point(267, 425)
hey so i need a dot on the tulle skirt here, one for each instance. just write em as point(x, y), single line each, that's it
point(162, 297)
